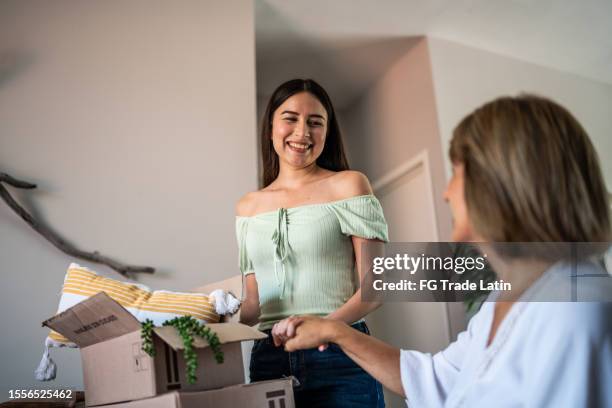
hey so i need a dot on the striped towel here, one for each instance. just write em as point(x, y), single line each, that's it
point(159, 306)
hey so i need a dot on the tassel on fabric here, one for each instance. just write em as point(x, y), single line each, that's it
point(225, 302)
point(47, 369)
point(281, 249)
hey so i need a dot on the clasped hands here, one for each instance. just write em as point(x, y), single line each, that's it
point(303, 332)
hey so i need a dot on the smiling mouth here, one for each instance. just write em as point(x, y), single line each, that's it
point(299, 147)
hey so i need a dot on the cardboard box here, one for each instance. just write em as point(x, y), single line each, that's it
point(115, 368)
point(264, 394)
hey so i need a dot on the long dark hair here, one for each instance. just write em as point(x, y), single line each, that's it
point(332, 157)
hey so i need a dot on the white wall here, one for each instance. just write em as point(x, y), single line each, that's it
point(394, 121)
point(137, 121)
point(465, 78)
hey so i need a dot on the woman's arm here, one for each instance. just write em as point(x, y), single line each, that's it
point(379, 359)
point(423, 379)
point(249, 310)
point(354, 308)
point(353, 183)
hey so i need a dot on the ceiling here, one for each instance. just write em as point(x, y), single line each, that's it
point(354, 41)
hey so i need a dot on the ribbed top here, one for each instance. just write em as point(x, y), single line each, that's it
point(303, 256)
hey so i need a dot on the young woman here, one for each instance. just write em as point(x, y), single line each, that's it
point(300, 239)
point(523, 170)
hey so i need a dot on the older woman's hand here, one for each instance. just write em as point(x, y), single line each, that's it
point(310, 332)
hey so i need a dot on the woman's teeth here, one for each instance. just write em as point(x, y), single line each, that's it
point(299, 146)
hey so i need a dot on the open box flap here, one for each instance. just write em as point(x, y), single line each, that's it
point(227, 333)
point(98, 318)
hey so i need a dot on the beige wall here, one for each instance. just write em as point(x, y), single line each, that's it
point(465, 78)
point(137, 121)
point(394, 121)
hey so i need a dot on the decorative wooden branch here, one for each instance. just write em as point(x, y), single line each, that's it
point(57, 241)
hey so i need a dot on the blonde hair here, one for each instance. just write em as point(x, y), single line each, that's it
point(531, 173)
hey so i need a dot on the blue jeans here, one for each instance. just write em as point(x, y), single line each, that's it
point(326, 378)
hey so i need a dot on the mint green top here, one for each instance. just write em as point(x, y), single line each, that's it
point(303, 256)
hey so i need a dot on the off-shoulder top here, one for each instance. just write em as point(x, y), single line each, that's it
point(303, 256)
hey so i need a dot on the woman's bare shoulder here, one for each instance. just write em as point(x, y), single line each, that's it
point(257, 201)
point(350, 183)
point(246, 206)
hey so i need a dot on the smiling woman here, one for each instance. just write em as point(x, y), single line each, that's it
point(303, 106)
point(300, 238)
point(299, 129)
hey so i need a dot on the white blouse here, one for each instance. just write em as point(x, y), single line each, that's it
point(544, 354)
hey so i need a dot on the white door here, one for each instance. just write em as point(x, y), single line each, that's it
point(407, 200)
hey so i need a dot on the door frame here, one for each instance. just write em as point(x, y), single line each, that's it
point(421, 160)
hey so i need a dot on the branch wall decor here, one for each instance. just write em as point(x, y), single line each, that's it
point(55, 239)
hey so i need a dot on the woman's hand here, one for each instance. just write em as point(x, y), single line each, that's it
point(284, 330)
point(379, 359)
point(310, 332)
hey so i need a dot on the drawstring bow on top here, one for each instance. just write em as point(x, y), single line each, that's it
point(281, 249)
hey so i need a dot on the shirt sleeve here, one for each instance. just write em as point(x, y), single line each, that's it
point(427, 379)
point(362, 217)
point(244, 262)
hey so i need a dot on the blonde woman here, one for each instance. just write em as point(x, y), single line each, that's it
point(523, 170)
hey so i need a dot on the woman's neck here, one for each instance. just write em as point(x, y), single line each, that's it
point(520, 273)
point(293, 177)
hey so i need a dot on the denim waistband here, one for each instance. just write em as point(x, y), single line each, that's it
point(359, 325)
